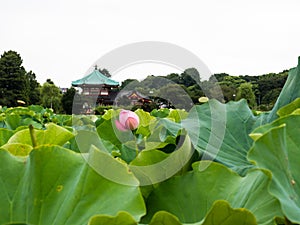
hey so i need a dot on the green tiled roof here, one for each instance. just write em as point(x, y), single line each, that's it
point(95, 78)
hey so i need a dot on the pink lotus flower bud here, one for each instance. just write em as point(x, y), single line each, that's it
point(128, 120)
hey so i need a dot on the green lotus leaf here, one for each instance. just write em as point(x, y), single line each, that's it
point(21, 116)
point(145, 118)
point(147, 123)
point(20, 111)
point(18, 149)
point(164, 218)
point(289, 92)
point(159, 138)
point(222, 214)
point(178, 115)
point(151, 167)
point(289, 108)
point(122, 218)
point(149, 157)
point(56, 186)
point(128, 151)
point(5, 134)
point(107, 130)
point(278, 150)
point(54, 134)
point(191, 195)
point(221, 132)
point(109, 114)
point(13, 121)
point(161, 113)
point(84, 139)
point(146, 158)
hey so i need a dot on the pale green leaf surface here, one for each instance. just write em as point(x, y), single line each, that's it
point(289, 92)
point(289, 108)
point(54, 134)
point(157, 167)
point(18, 149)
point(56, 186)
point(222, 214)
point(5, 134)
point(191, 195)
point(122, 218)
point(221, 132)
point(278, 150)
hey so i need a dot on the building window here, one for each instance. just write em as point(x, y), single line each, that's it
point(104, 92)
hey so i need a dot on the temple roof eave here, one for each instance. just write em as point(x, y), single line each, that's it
point(95, 79)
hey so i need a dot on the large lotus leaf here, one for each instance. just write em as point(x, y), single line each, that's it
point(84, 139)
point(20, 111)
point(160, 137)
point(191, 195)
point(222, 131)
point(122, 218)
point(152, 167)
point(222, 214)
point(161, 113)
point(54, 134)
point(5, 134)
point(107, 130)
point(145, 118)
point(18, 149)
point(149, 157)
point(289, 92)
point(56, 186)
point(13, 121)
point(178, 115)
point(20, 116)
point(289, 108)
point(164, 218)
point(278, 150)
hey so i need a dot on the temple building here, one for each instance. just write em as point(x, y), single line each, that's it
point(99, 86)
point(97, 89)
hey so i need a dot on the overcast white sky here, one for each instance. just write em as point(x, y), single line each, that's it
point(61, 39)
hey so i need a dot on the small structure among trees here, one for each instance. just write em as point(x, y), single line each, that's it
point(132, 97)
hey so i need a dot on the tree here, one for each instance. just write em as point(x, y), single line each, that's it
point(228, 92)
point(34, 86)
point(173, 77)
point(49, 81)
point(175, 96)
point(67, 100)
point(195, 92)
point(104, 72)
point(245, 91)
point(190, 77)
point(130, 82)
point(218, 76)
point(13, 83)
point(51, 96)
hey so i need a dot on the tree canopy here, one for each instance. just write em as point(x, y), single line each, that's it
point(17, 85)
point(51, 96)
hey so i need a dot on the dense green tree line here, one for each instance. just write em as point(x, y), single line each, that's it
point(260, 91)
point(17, 86)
